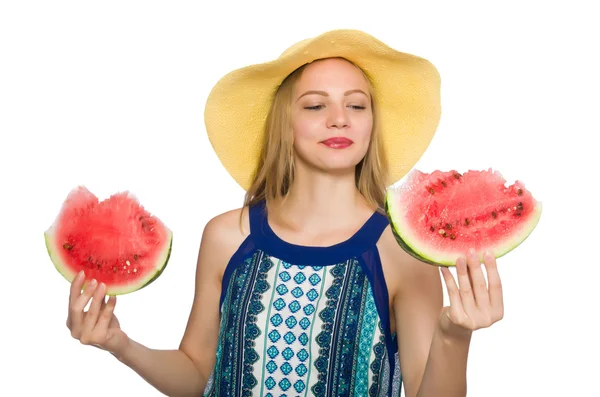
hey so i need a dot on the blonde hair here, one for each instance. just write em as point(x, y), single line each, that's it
point(275, 170)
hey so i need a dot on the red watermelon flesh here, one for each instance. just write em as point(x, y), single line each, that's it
point(439, 216)
point(115, 241)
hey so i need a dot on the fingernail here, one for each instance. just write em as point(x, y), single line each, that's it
point(471, 251)
point(93, 283)
point(81, 274)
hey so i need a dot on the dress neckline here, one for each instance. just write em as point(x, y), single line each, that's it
point(363, 239)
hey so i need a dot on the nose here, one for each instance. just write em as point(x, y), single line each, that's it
point(337, 117)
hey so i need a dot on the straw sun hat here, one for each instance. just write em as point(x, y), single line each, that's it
point(407, 94)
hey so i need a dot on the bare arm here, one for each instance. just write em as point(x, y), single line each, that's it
point(172, 372)
point(434, 340)
point(433, 364)
point(183, 371)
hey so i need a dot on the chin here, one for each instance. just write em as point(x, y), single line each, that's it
point(339, 165)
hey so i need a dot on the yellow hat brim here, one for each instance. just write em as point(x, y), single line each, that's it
point(407, 91)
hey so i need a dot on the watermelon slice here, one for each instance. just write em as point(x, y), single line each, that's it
point(437, 217)
point(116, 241)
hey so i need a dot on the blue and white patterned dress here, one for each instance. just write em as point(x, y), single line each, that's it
point(305, 321)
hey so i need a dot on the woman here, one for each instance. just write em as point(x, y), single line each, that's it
point(312, 295)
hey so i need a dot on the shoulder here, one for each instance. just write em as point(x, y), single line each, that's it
point(403, 272)
point(222, 236)
point(230, 225)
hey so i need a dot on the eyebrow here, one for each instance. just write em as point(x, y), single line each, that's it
point(323, 93)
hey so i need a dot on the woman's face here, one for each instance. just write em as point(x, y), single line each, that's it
point(331, 116)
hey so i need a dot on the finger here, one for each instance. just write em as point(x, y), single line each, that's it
point(83, 299)
point(495, 285)
point(464, 286)
point(480, 291)
point(75, 289)
point(456, 306)
point(74, 292)
point(76, 310)
point(107, 313)
point(94, 311)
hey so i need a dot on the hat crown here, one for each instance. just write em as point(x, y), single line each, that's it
point(293, 48)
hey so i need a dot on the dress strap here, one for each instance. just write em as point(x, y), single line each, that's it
point(258, 217)
point(374, 227)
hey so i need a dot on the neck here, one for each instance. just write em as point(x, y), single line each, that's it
point(322, 200)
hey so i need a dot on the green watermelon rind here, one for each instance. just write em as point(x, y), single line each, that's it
point(411, 244)
point(162, 262)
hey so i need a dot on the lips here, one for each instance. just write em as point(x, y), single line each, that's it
point(337, 142)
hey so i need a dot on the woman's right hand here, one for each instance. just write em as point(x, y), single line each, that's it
point(98, 326)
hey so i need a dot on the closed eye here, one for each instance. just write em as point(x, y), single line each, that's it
point(316, 107)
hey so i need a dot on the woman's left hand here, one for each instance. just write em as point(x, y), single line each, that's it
point(474, 304)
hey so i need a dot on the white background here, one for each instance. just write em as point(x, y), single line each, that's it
point(111, 95)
